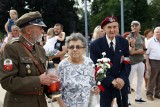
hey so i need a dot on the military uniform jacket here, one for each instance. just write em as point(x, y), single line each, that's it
point(21, 78)
point(118, 69)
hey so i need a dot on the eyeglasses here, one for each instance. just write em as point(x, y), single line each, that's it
point(77, 47)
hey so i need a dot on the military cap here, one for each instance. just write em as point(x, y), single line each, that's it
point(31, 18)
point(135, 23)
point(107, 20)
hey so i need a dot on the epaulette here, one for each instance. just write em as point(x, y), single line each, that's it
point(13, 40)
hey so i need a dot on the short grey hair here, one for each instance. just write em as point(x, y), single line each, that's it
point(156, 29)
point(76, 37)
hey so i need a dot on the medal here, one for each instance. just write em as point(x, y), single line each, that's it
point(28, 69)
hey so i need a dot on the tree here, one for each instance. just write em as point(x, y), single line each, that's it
point(155, 7)
point(133, 10)
point(102, 8)
point(53, 11)
point(137, 10)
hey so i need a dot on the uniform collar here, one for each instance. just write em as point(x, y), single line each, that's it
point(26, 43)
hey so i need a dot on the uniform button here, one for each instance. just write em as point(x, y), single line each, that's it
point(35, 88)
point(15, 99)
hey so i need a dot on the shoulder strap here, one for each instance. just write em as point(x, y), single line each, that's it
point(32, 58)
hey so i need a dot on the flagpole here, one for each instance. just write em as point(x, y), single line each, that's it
point(122, 17)
point(86, 27)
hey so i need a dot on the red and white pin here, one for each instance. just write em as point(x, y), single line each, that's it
point(8, 66)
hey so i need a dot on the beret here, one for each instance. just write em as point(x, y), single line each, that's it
point(107, 20)
point(31, 18)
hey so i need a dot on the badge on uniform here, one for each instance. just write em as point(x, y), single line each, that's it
point(28, 69)
point(8, 66)
point(111, 19)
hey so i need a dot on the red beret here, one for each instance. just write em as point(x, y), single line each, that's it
point(107, 20)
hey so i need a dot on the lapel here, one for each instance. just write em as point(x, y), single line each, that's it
point(118, 49)
point(118, 46)
point(105, 47)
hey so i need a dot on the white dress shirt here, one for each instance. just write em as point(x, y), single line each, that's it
point(153, 48)
point(114, 42)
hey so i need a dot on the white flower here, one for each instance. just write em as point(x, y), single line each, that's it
point(101, 68)
point(103, 53)
point(101, 65)
point(105, 59)
point(97, 64)
point(93, 65)
point(108, 65)
point(99, 60)
point(109, 60)
point(100, 71)
point(99, 83)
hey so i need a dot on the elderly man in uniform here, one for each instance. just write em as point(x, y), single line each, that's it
point(22, 67)
point(116, 83)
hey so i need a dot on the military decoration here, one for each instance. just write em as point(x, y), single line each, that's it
point(111, 19)
point(8, 66)
point(28, 69)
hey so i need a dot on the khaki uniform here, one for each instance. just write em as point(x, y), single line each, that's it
point(21, 81)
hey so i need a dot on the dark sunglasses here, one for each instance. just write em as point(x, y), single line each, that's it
point(77, 47)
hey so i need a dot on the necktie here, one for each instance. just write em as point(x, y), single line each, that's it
point(111, 49)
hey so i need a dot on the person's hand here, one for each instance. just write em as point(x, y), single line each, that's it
point(47, 79)
point(64, 48)
point(132, 41)
point(51, 57)
point(148, 67)
point(120, 83)
point(95, 90)
point(114, 83)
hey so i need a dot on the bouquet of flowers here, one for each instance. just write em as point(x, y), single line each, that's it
point(101, 68)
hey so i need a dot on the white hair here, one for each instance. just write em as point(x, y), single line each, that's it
point(156, 29)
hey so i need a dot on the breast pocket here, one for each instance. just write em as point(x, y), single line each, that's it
point(26, 66)
point(26, 60)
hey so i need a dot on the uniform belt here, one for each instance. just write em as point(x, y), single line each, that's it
point(33, 92)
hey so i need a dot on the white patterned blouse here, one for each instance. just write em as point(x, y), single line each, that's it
point(76, 82)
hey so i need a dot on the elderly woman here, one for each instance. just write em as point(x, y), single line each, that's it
point(77, 73)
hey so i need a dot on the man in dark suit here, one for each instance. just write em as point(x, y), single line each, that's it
point(116, 83)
